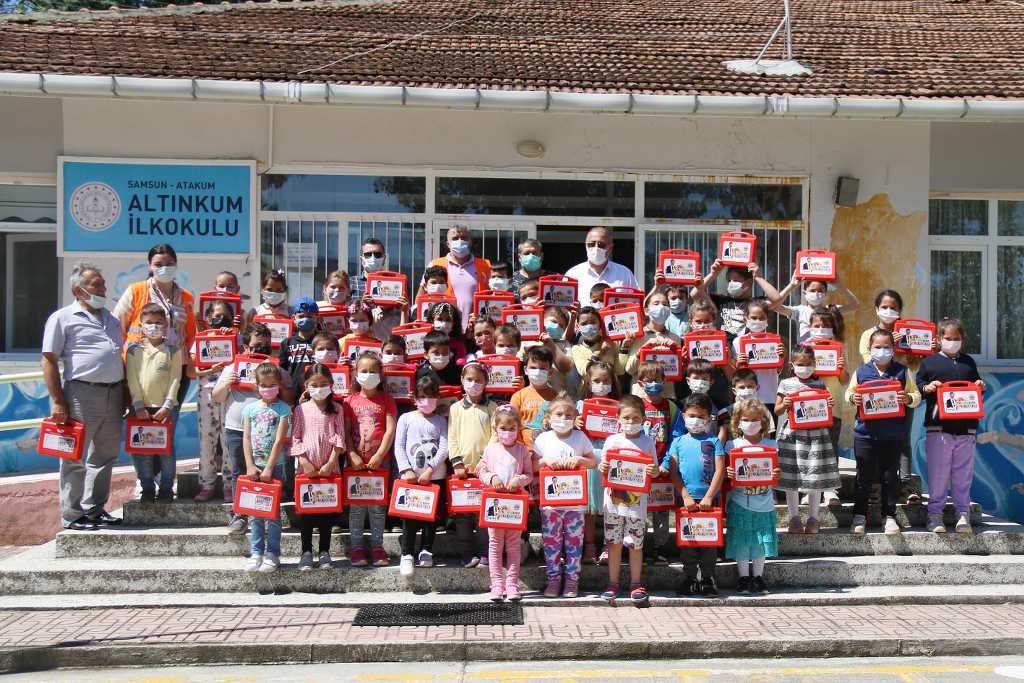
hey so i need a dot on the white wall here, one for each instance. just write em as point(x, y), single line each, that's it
point(977, 157)
point(30, 135)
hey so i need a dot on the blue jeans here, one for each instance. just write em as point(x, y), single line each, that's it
point(236, 459)
point(266, 533)
point(146, 467)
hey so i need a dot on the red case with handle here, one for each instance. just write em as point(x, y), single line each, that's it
point(464, 495)
point(919, 336)
point(557, 290)
point(816, 264)
point(529, 320)
point(212, 348)
point(667, 356)
point(400, 380)
point(365, 487)
point(680, 266)
point(711, 345)
point(699, 529)
point(621, 319)
point(503, 510)
point(757, 464)
point(737, 249)
point(810, 409)
point(826, 357)
point(488, 303)
point(256, 498)
point(624, 470)
point(502, 373)
point(600, 417)
point(960, 400)
point(622, 295)
point(563, 488)
point(245, 365)
point(413, 334)
point(880, 400)
point(318, 495)
point(762, 350)
point(386, 287)
point(334, 320)
point(61, 440)
point(414, 501)
point(148, 437)
point(281, 327)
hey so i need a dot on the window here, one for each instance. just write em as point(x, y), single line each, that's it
point(977, 272)
point(390, 194)
point(305, 248)
point(723, 201)
point(535, 197)
point(28, 208)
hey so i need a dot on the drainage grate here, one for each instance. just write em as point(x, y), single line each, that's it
point(449, 614)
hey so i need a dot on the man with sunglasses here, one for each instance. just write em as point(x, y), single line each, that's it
point(599, 267)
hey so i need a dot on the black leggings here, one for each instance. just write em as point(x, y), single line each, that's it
point(429, 529)
point(323, 524)
point(877, 462)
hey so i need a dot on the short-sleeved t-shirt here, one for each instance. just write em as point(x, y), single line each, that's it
point(263, 422)
point(733, 313)
point(367, 416)
point(629, 503)
point(551, 447)
point(696, 457)
point(532, 406)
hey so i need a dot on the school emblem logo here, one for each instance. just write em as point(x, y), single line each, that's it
point(95, 206)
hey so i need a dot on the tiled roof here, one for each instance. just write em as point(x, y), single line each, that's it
point(881, 48)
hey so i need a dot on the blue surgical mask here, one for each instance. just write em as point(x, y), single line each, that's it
point(589, 328)
point(460, 248)
point(305, 324)
point(658, 313)
point(881, 355)
point(529, 262)
point(554, 330)
point(677, 305)
point(653, 389)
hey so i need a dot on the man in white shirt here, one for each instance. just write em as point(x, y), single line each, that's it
point(598, 267)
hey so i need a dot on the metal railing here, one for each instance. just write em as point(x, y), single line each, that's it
point(36, 421)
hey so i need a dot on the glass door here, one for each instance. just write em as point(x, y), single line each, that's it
point(30, 290)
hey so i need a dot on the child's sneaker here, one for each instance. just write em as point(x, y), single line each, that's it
point(236, 525)
point(513, 592)
point(708, 588)
point(325, 560)
point(936, 525)
point(743, 585)
point(484, 561)
point(892, 527)
point(859, 526)
point(253, 565)
point(757, 586)
point(380, 557)
point(357, 557)
point(963, 525)
point(571, 589)
point(611, 592)
point(205, 494)
point(639, 595)
point(471, 562)
point(688, 588)
point(426, 559)
point(306, 562)
point(497, 592)
point(270, 564)
point(813, 526)
point(405, 566)
point(553, 588)
point(795, 525)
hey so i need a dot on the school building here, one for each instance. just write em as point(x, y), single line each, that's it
point(280, 135)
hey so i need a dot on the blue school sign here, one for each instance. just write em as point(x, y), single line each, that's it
point(128, 206)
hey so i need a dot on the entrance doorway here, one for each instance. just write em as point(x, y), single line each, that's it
point(564, 246)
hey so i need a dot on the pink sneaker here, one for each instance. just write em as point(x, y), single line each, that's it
point(553, 588)
point(357, 557)
point(205, 494)
point(513, 592)
point(380, 557)
point(571, 589)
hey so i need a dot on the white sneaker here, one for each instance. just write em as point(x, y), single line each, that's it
point(426, 558)
point(963, 525)
point(325, 560)
point(306, 562)
point(405, 566)
point(859, 526)
point(270, 564)
point(935, 524)
point(254, 563)
point(828, 497)
point(892, 527)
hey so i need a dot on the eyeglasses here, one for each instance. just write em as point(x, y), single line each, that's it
point(599, 245)
point(368, 254)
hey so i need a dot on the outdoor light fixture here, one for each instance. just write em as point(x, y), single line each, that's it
point(531, 149)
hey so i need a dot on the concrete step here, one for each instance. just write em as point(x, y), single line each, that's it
point(40, 572)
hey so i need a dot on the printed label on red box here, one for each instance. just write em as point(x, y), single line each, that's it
point(563, 487)
point(753, 465)
point(810, 409)
point(464, 495)
point(621, 320)
point(816, 264)
point(762, 350)
point(600, 417)
point(414, 501)
point(502, 373)
point(341, 375)
point(737, 248)
point(207, 299)
point(386, 287)
point(880, 400)
point(245, 367)
point(399, 380)
point(425, 301)
point(711, 346)
point(281, 327)
point(257, 498)
point(698, 528)
point(627, 470)
point(528, 319)
point(503, 510)
point(59, 443)
point(679, 266)
point(667, 357)
point(334, 320)
point(960, 401)
point(918, 336)
point(353, 348)
point(623, 295)
point(488, 304)
point(557, 290)
point(147, 437)
point(826, 357)
point(214, 349)
point(317, 495)
point(61, 440)
point(365, 487)
point(662, 495)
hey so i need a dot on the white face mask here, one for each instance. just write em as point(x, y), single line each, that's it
point(821, 333)
point(95, 301)
point(658, 313)
point(153, 330)
point(881, 355)
point(757, 325)
point(335, 296)
point(600, 389)
point(438, 361)
point(630, 428)
point(228, 290)
point(498, 283)
point(368, 380)
point(393, 358)
point(560, 425)
point(803, 371)
point(530, 300)
point(443, 326)
point(698, 386)
point(888, 315)
point(359, 326)
point(474, 389)
point(165, 274)
point(372, 264)
point(814, 298)
point(319, 393)
point(735, 288)
point(676, 305)
point(326, 356)
point(696, 425)
point(538, 376)
point(505, 350)
point(951, 347)
point(750, 427)
point(597, 255)
point(745, 393)
point(436, 288)
point(701, 326)
point(596, 305)
point(273, 298)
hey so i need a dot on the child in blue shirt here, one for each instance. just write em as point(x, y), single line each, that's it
point(698, 473)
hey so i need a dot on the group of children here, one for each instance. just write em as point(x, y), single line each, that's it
point(292, 423)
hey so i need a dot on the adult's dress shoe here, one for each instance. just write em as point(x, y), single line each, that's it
point(104, 518)
point(83, 523)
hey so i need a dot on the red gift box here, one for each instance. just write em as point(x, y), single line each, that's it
point(622, 295)
point(697, 529)
point(754, 465)
point(386, 287)
point(256, 498)
point(341, 373)
point(667, 356)
point(334, 320)
point(414, 501)
point(281, 327)
point(557, 290)
point(662, 495)
point(503, 510)
point(488, 303)
point(413, 334)
point(317, 495)
point(680, 266)
point(528, 319)
point(230, 298)
point(213, 348)
point(464, 495)
point(960, 400)
point(562, 488)
point(148, 437)
point(353, 347)
point(737, 248)
point(600, 417)
point(627, 470)
point(762, 350)
point(399, 379)
point(810, 409)
point(711, 345)
point(815, 264)
point(502, 373)
point(620, 320)
point(245, 365)
point(826, 357)
point(920, 334)
point(880, 401)
point(425, 301)
point(61, 440)
point(365, 487)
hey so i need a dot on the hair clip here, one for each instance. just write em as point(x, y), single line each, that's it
point(506, 408)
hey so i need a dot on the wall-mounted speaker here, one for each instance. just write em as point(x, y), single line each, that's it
point(846, 191)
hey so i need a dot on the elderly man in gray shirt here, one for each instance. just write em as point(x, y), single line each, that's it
point(86, 338)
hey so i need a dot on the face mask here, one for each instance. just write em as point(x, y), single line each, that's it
point(538, 376)
point(95, 301)
point(554, 330)
point(507, 437)
point(439, 362)
point(881, 355)
point(696, 425)
point(735, 288)
point(597, 255)
point(305, 324)
point(372, 264)
point(596, 305)
point(653, 389)
point(443, 326)
point(165, 274)
point(220, 321)
point(702, 326)
point(698, 386)
point(589, 328)
point(530, 300)
point(529, 262)
point(473, 389)
point(359, 326)
point(335, 296)
point(319, 393)
point(560, 426)
point(436, 288)
point(950, 348)
point(600, 389)
point(814, 298)
point(368, 380)
point(658, 313)
point(273, 298)
point(803, 371)
point(153, 330)
point(460, 248)
point(426, 405)
point(326, 356)
point(261, 349)
point(821, 333)
point(888, 315)
point(757, 325)
point(676, 305)
point(498, 283)
point(268, 392)
point(746, 393)
point(750, 427)
point(393, 358)
point(630, 428)
point(229, 290)
point(505, 350)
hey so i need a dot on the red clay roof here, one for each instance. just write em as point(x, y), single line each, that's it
point(879, 48)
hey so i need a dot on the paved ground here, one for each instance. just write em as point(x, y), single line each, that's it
point(883, 670)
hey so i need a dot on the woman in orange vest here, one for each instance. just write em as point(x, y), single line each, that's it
point(466, 273)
